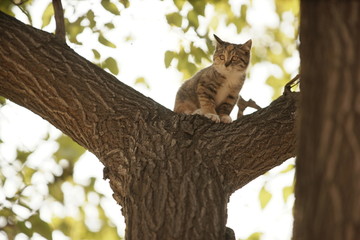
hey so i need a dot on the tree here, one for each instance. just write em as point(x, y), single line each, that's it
point(327, 186)
point(185, 157)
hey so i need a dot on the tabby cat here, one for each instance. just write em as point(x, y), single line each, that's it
point(213, 91)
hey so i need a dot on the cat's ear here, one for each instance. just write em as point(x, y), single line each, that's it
point(247, 46)
point(219, 41)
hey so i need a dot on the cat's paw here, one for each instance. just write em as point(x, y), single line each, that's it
point(225, 119)
point(197, 111)
point(213, 117)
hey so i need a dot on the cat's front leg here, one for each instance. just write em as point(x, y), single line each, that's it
point(210, 113)
point(206, 98)
point(225, 108)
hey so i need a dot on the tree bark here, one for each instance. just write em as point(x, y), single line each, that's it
point(327, 189)
point(172, 174)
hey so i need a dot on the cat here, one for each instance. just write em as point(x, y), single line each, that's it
point(213, 91)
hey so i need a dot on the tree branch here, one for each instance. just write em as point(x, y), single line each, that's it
point(243, 104)
point(41, 73)
point(120, 125)
point(255, 143)
point(59, 19)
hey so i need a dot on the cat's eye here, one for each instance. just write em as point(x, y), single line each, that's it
point(235, 58)
point(222, 57)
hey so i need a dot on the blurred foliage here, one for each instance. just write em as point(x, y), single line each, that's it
point(273, 45)
point(288, 190)
point(88, 20)
point(6, 7)
point(35, 189)
point(254, 236)
point(26, 188)
point(264, 197)
point(196, 20)
point(142, 81)
point(2, 101)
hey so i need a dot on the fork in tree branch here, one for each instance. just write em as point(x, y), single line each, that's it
point(243, 104)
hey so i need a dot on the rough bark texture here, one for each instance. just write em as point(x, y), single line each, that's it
point(327, 191)
point(172, 174)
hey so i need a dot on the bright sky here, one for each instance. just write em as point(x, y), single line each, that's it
point(143, 56)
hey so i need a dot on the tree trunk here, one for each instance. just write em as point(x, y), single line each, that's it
point(172, 174)
point(327, 190)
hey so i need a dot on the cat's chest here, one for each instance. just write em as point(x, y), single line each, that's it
point(231, 85)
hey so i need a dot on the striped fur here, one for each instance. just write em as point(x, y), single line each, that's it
point(213, 91)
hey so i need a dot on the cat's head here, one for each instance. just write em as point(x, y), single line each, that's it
point(231, 57)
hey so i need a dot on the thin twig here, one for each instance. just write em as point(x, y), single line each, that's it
point(26, 12)
point(59, 19)
point(293, 82)
point(19, 2)
point(243, 104)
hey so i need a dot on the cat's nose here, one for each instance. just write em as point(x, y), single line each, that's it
point(227, 63)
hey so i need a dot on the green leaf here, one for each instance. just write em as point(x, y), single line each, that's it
point(96, 54)
point(198, 54)
point(287, 5)
point(111, 64)
point(191, 69)
point(142, 81)
point(277, 84)
point(7, 7)
point(187, 68)
point(210, 45)
point(264, 197)
point(24, 205)
point(199, 6)
point(73, 29)
point(56, 192)
point(179, 3)
point(105, 42)
point(6, 212)
point(107, 232)
point(255, 236)
point(22, 155)
point(2, 100)
point(110, 25)
point(214, 23)
point(126, 3)
point(184, 65)
point(42, 227)
point(169, 56)
point(287, 191)
point(91, 17)
point(174, 19)
point(111, 7)
point(68, 149)
point(288, 168)
point(243, 11)
point(47, 15)
point(27, 174)
point(192, 16)
point(24, 229)
point(240, 23)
